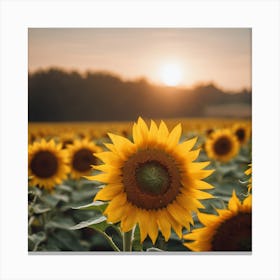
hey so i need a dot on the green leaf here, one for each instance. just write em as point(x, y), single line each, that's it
point(34, 191)
point(65, 188)
point(241, 158)
point(90, 223)
point(50, 200)
point(67, 240)
point(154, 249)
point(100, 226)
point(60, 222)
point(39, 209)
point(84, 194)
point(136, 241)
point(61, 197)
point(96, 205)
point(36, 239)
point(224, 169)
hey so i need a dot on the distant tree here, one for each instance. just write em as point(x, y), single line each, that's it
point(57, 95)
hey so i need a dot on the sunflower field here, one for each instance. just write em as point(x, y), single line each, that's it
point(143, 186)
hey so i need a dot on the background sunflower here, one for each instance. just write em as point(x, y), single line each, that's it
point(230, 230)
point(81, 157)
point(222, 145)
point(242, 131)
point(47, 164)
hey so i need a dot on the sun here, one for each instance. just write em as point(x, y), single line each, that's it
point(171, 74)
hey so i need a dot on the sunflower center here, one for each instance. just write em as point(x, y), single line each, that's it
point(152, 177)
point(209, 131)
point(44, 164)
point(234, 234)
point(240, 133)
point(83, 159)
point(222, 146)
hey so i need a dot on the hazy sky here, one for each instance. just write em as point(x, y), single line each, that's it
point(199, 55)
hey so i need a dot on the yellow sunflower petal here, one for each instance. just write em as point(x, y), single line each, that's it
point(130, 218)
point(187, 202)
point(234, 203)
point(109, 192)
point(200, 165)
point(201, 174)
point(153, 228)
point(105, 177)
point(109, 157)
point(136, 134)
point(175, 225)
point(188, 145)
point(107, 168)
point(174, 136)
point(143, 221)
point(116, 215)
point(202, 185)
point(164, 224)
point(248, 171)
point(121, 144)
point(193, 246)
point(179, 214)
point(111, 147)
point(200, 246)
point(201, 194)
point(207, 219)
point(247, 202)
point(163, 131)
point(153, 131)
point(191, 156)
point(143, 129)
point(116, 203)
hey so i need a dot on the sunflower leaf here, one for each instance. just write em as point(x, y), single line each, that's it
point(39, 209)
point(90, 223)
point(64, 187)
point(154, 249)
point(100, 226)
point(81, 195)
point(50, 200)
point(61, 197)
point(60, 222)
point(96, 205)
point(136, 242)
point(35, 240)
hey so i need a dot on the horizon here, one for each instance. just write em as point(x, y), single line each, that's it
point(177, 57)
point(136, 79)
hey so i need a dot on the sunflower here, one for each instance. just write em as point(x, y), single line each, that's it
point(231, 230)
point(249, 172)
point(152, 181)
point(81, 157)
point(243, 132)
point(47, 164)
point(222, 145)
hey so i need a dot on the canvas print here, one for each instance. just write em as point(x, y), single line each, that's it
point(139, 140)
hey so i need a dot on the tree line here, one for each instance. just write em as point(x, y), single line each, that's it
point(57, 95)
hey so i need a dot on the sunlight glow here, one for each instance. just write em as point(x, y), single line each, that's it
point(171, 74)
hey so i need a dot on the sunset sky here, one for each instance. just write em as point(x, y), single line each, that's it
point(170, 56)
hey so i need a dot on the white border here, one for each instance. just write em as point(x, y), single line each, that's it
point(17, 16)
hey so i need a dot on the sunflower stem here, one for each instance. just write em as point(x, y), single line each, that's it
point(218, 172)
point(127, 241)
point(109, 239)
